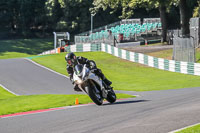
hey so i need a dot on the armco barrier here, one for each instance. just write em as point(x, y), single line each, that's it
point(160, 63)
point(83, 48)
point(53, 51)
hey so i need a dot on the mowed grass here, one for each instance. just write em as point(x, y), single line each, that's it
point(36, 102)
point(5, 94)
point(13, 104)
point(167, 54)
point(23, 47)
point(194, 129)
point(126, 75)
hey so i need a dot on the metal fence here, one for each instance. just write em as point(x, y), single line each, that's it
point(130, 21)
point(109, 39)
point(195, 31)
point(151, 20)
point(183, 49)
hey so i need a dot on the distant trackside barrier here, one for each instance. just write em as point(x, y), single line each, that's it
point(160, 63)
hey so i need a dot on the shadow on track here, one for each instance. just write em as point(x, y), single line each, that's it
point(126, 102)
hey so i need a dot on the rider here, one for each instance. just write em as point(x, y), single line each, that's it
point(72, 60)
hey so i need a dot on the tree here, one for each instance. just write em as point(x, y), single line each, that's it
point(184, 17)
point(196, 12)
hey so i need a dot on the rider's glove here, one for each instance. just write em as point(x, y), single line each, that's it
point(92, 65)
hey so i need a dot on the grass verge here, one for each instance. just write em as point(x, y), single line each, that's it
point(5, 94)
point(166, 54)
point(194, 129)
point(126, 75)
point(36, 102)
point(23, 47)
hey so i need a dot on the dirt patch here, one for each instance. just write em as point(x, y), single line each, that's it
point(149, 48)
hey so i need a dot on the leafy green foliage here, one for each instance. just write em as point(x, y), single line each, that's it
point(25, 17)
point(197, 11)
point(24, 47)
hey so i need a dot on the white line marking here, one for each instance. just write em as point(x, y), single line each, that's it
point(183, 128)
point(46, 68)
point(137, 95)
point(8, 90)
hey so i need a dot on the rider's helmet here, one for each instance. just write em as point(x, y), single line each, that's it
point(71, 59)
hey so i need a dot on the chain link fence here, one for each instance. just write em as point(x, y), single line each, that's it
point(184, 49)
point(109, 39)
point(195, 31)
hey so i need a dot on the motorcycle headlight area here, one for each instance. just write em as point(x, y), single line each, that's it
point(79, 81)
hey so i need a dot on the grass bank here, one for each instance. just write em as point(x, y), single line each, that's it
point(23, 47)
point(5, 94)
point(17, 104)
point(14, 104)
point(126, 75)
point(167, 54)
point(194, 129)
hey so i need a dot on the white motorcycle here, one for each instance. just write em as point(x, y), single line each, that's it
point(92, 85)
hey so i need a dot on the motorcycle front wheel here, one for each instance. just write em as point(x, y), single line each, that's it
point(95, 94)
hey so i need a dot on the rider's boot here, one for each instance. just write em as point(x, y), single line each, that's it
point(107, 81)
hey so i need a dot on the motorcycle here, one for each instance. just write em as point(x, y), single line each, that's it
point(92, 85)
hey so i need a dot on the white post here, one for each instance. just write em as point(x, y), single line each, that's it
point(91, 23)
point(55, 40)
point(68, 35)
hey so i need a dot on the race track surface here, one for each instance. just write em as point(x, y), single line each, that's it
point(25, 78)
point(151, 112)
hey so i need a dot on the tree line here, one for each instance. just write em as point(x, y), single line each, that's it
point(31, 17)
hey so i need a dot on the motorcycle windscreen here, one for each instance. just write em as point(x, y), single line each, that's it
point(78, 70)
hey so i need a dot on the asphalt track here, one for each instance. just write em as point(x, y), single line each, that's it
point(151, 112)
point(25, 78)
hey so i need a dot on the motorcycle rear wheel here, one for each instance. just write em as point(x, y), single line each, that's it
point(111, 97)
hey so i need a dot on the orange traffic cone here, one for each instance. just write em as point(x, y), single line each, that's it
point(76, 101)
point(146, 43)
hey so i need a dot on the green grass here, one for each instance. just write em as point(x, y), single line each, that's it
point(126, 75)
point(167, 54)
point(23, 47)
point(198, 55)
point(194, 129)
point(36, 102)
point(11, 103)
point(5, 94)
